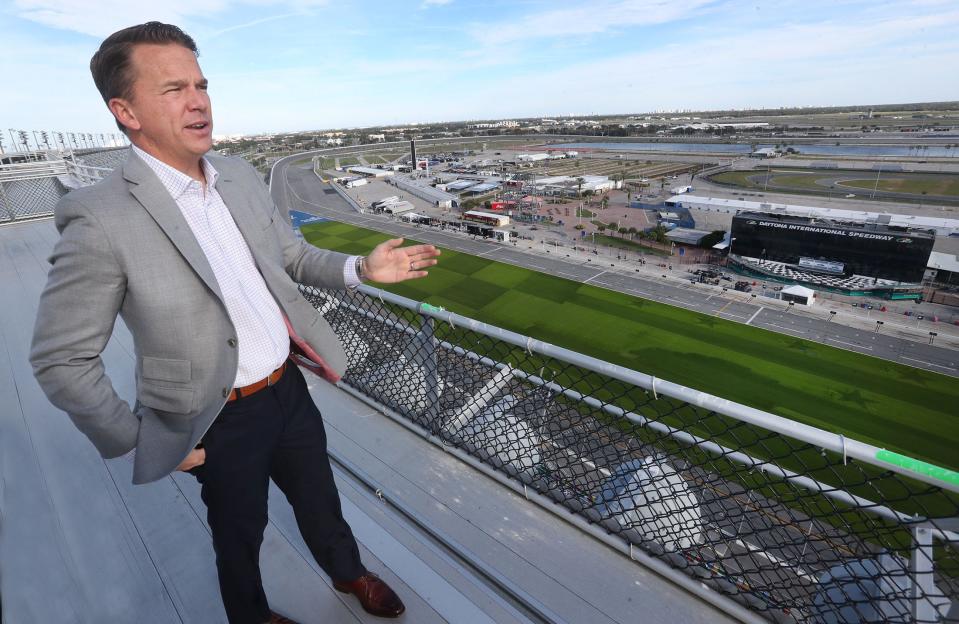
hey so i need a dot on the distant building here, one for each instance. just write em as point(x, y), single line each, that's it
point(764, 152)
point(942, 225)
point(436, 197)
point(834, 254)
point(487, 218)
point(686, 236)
point(532, 157)
point(370, 172)
point(798, 294)
point(493, 125)
point(570, 186)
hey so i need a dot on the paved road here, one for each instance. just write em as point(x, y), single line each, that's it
point(297, 188)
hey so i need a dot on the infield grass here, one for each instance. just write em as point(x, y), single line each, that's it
point(905, 409)
point(938, 185)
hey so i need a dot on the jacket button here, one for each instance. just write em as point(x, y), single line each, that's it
point(231, 342)
point(226, 393)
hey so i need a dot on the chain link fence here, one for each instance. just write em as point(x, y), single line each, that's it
point(29, 198)
point(31, 189)
point(795, 523)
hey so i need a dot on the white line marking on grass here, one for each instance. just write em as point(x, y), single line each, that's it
point(851, 344)
point(595, 276)
point(761, 308)
point(928, 363)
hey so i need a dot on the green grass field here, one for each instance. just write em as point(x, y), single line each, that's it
point(932, 185)
point(786, 179)
point(890, 405)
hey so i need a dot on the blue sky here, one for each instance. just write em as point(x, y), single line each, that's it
point(279, 65)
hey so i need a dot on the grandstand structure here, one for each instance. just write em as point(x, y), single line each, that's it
point(489, 476)
point(789, 273)
point(31, 183)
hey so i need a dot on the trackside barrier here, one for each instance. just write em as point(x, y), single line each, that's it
point(339, 189)
point(765, 517)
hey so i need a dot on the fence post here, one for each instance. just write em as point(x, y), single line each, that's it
point(5, 204)
point(425, 356)
point(920, 569)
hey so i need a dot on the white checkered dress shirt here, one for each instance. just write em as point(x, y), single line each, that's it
point(261, 335)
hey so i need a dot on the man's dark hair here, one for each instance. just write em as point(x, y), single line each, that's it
point(110, 65)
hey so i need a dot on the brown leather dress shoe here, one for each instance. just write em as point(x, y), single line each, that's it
point(375, 596)
point(276, 618)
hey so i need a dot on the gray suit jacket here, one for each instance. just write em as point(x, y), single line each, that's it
point(126, 249)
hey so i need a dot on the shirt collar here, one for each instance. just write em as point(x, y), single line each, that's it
point(174, 181)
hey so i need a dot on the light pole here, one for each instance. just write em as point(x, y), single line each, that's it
point(932, 336)
point(878, 325)
point(832, 315)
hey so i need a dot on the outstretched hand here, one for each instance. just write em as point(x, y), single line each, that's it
point(389, 263)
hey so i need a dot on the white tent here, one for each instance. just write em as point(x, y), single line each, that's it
point(798, 294)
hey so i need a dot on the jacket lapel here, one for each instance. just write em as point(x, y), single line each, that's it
point(238, 203)
point(149, 191)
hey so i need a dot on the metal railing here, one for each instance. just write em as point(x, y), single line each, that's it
point(86, 174)
point(31, 189)
point(791, 522)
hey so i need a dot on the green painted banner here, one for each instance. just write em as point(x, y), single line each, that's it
point(919, 467)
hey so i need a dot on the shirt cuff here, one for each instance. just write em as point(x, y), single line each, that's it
point(349, 273)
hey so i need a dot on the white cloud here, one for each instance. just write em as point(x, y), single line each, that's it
point(588, 19)
point(820, 64)
point(432, 3)
point(103, 17)
point(250, 24)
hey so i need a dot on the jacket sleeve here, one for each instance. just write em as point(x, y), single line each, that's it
point(78, 308)
point(305, 263)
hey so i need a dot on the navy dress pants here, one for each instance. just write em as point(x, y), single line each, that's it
point(276, 433)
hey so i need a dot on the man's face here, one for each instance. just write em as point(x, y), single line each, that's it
point(170, 106)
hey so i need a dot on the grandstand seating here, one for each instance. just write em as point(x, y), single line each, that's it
point(789, 272)
point(108, 158)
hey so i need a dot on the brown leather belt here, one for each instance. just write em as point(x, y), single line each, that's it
point(253, 388)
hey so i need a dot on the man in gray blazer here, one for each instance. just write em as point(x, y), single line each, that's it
point(188, 247)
